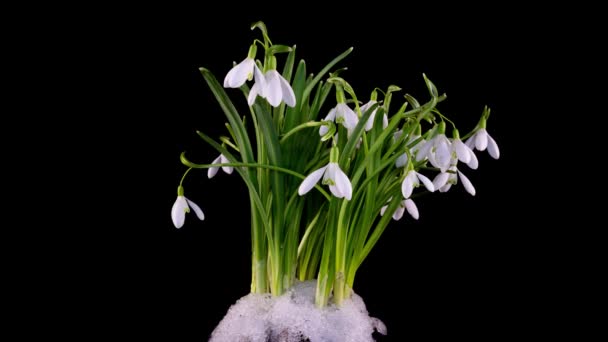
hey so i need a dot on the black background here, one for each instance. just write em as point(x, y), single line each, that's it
point(468, 267)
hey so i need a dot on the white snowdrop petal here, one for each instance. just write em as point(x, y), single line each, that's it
point(443, 156)
point(350, 118)
point(427, 182)
point(481, 140)
point(197, 210)
point(384, 121)
point(474, 162)
point(401, 161)
point(310, 181)
point(253, 94)
point(412, 209)
point(383, 210)
point(343, 183)
point(227, 169)
point(470, 142)
point(493, 148)
point(242, 71)
point(370, 122)
point(424, 149)
point(398, 213)
point(273, 88)
point(462, 151)
point(407, 186)
point(445, 188)
point(331, 116)
point(440, 180)
point(229, 76)
point(178, 213)
point(212, 171)
point(468, 186)
point(288, 96)
point(323, 130)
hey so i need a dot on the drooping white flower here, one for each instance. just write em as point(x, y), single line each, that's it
point(444, 180)
point(370, 122)
point(438, 151)
point(240, 73)
point(212, 171)
point(259, 87)
point(341, 113)
point(338, 182)
point(462, 151)
point(182, 206)
point(273, 87)
point(481, 140)
point(408, 205)
point(413, 179)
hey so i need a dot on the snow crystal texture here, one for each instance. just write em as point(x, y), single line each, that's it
point(293, 317)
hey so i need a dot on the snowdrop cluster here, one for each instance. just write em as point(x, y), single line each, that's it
point(325, 166)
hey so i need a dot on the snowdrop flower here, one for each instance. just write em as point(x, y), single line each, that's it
point(182, 206)
point(241, 72)
point(370, 122)
point(413, 179)
point(444, 180)
point(481, 140)
point(273, 87)
point(408, 205)
point(212, 171)
point(338, 181)
point(463, 152)
point(438, 150)
point(341, 113)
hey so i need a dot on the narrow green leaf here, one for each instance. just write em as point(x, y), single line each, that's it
point(242, 139)
point(279, 49)
point(430, 86)
point(292, 115)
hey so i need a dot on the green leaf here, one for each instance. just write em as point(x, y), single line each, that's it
point(430, 86)
point(412, 101)
point(392, 88)
point(292, 115)
point(278, 49)
point(288, 68)
point(242, 139)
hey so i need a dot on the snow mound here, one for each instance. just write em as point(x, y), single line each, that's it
point(293, 317)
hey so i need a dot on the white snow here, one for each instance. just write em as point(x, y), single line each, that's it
point(293, 317)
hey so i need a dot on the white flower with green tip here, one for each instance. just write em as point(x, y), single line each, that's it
point(212, 171)
point(240, 73)
point(444, 180)
point(413, 179)
point(407, 204)
point(481, 140)
point(338, 181)
point(182, 206)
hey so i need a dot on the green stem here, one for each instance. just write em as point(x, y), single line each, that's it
point(299, 128)
point(252, 165)
point(184, 176)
